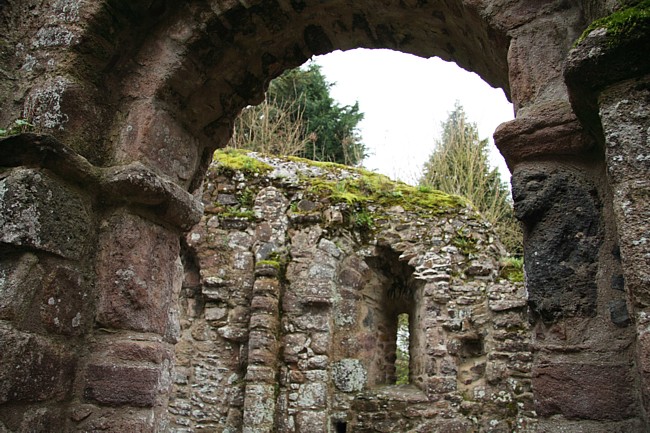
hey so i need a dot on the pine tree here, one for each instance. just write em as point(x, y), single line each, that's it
point(331, 129)
point(300, 117)
point(459, 165)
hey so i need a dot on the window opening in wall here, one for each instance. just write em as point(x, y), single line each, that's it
point(340, 426)
point(402, 350)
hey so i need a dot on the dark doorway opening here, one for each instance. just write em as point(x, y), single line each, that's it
point(340, 426)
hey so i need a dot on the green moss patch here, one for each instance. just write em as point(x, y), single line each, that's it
point(229, 160)
point(273, 263)
point(236, 212)
point(625, 25)
point(465, 243)
point(372, 188)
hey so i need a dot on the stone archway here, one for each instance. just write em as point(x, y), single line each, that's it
point(135, 96)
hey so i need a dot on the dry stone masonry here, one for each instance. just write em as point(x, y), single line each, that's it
point(292, 291)
point(112, 319)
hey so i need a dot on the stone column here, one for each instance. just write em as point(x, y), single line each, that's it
point(47, 245)
point(609, 78)
point(131, 355)
point(581, 367)
point(625, 116)
point(263, 352)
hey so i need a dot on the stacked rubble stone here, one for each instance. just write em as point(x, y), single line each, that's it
point(289, 306)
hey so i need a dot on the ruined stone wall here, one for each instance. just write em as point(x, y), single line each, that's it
point(289, 312)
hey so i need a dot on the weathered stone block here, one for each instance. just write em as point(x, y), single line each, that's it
point(137, 274)
point(233, 333)
point(625, 114)
point(262, 356)
point(153, 135)
point(312, 322)
point(135, 421)
point(20, 277)
point(259, 408)
point(265, 304)
point(120, 384)
point(137, 351)
point(33, 369)
point(437, 387)
point(256, 373)
point(41, 212)
point(64, 305)
point(561, 254)
point(215, 313)
point(349, 375)
point(633, 213)
point(309, 421)
point(312, 395)
point(34, 420)
point(597, 392)
point(264, 321)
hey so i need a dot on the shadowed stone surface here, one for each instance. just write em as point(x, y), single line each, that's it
point(561, 215)
point(33, 369)
point(41, 213)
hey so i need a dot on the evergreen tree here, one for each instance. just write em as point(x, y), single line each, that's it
point(330, 129)
point(459, 165)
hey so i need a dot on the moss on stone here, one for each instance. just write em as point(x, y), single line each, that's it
point(360, 187)
point(465, 243)
point(368, 187)
point(331, 166)
point(274, 263)
point(625, 25)
point(239, 160)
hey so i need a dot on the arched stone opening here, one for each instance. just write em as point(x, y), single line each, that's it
point(391, 291)
point(196, 82)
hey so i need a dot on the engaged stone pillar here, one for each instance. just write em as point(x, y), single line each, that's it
point(263, 352)
point(608, 75)
point(581, 371)
point(625, 115)
point(262, 375)
point(46, 302)
point(86, 314)
point(138, 280)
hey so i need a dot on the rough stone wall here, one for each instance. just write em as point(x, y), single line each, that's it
point(289, 315)
point(87, 304)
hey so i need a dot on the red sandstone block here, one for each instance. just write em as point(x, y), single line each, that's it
point(264, 304)
point(139, 351)
point(33, 368)
point(137, 275)
point(598, 392)
point(112, 384)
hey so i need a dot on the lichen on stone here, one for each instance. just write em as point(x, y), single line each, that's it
point(43, 105)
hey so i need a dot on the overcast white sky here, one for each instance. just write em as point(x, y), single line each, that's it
point(405, 98)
